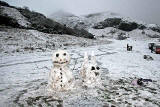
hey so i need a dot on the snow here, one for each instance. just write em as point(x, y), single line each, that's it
point(98, 17)
point(80, 22)
point(24, 76)
point(15, 14)
point(87, 21)
point(28, 41)
point(25, 61)
point(131, 64)
point(152, 25)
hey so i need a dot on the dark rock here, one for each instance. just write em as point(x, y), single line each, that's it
point(147, 57)
point(2, 3)
point(121, 36)
point(99, 26)
point(113, 31)
point(110, 22)
point(143, 32)
point(156, 29)
point(140, 26)
point(84, 33)
point(140, 82)
point(8, 21)
point(127, 26)
point(119, 24)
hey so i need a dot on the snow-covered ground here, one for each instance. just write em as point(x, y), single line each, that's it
point(14, 41)
point(23, 76)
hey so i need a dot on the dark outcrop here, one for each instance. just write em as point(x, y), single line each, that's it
point(156, 29)
point(7, 21)
point(119, 24)
point(2, 3)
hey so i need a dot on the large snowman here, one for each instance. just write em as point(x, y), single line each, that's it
point(60, 76)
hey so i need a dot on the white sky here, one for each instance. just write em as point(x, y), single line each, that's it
point(145, 10)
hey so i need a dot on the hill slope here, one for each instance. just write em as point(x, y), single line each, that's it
point(24, 18)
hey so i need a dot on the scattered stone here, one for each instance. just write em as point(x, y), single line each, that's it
point(147, 57)
point(143, 32)
point(121, 36)
point(153, 36)
point(155, 28)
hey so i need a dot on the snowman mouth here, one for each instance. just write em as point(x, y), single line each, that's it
point(56, 62)
point(96, 73)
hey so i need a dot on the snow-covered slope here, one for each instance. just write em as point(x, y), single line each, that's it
point(98, 17)
point(87, 21)
point(14, 41)
point(15, 14)
point(111, 32)
point(84, 21)
point(70, 19)
point(27, 19)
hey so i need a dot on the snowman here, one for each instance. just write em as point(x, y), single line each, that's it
point(60, 76)
point(90, 71)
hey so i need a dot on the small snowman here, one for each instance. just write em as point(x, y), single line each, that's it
point(60, 76)
point(90, 71)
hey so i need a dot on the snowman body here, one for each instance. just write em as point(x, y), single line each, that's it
point(60, 76)
point(90, 72)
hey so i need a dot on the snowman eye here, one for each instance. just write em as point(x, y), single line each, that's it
point(97, 68)
point(93, 68)
point(57, 55)
point(64, 54)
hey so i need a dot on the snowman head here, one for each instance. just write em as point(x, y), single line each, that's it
point(61, 58)
point(90, 66)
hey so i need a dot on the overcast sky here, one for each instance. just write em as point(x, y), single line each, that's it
point(145, 10)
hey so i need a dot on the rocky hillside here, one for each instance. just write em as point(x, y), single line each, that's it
point(86, 21)
point(26, 19)
point(119, 24)
point(101, 21)
point(70, 20)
